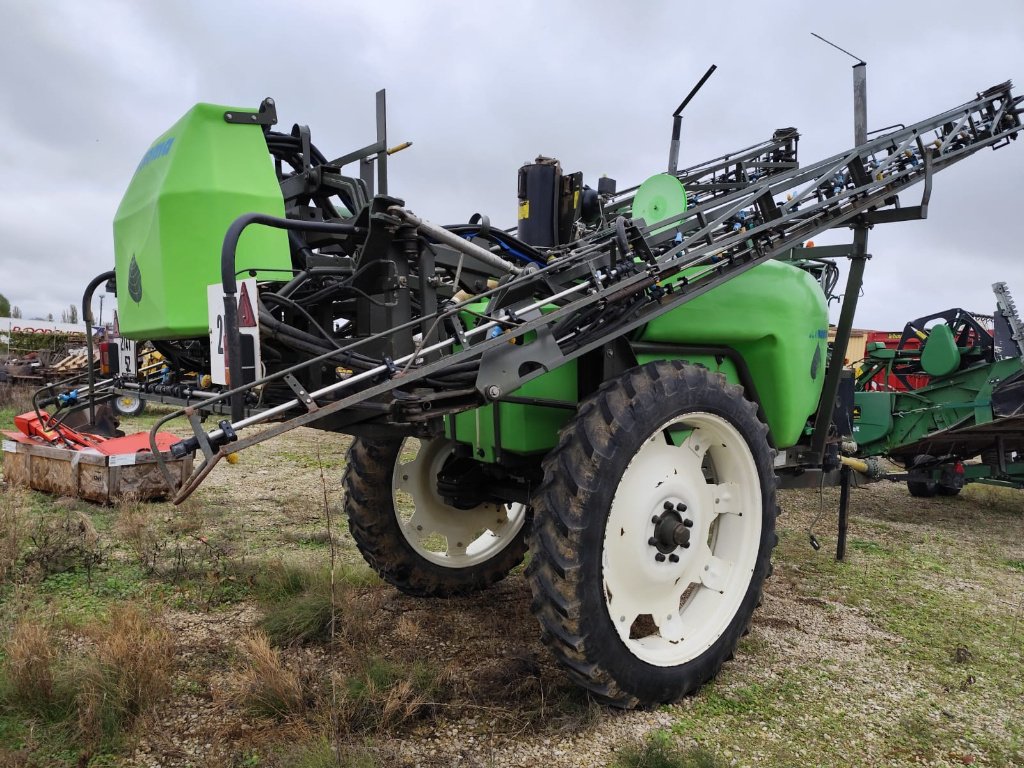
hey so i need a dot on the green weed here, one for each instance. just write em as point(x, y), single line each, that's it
point(660, 751)
point(299, 606)
point(384, 694)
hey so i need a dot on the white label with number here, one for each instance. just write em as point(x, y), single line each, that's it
point(10, 446)
point(121, 460)
point(128, 363)
point(246, 295)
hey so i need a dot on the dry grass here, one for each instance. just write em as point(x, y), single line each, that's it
point(129, 671)
point(15, 399)
point(267, 686)
point(12, 534)
point(29, 666)
point(384, 695)
point(96, 685)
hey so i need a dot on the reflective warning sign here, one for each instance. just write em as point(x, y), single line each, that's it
point(248, 329)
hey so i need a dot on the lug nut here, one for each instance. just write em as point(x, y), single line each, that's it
point(674, 558)
point(669, 506)
point(688, 523)
point(659, 557)
point(656, 519)
point(680, 507)
point(652, 541)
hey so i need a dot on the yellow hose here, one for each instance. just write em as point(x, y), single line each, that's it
point(856, 465)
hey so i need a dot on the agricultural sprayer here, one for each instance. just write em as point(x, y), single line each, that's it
point(617, 385)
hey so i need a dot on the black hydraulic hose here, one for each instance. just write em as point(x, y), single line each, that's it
point(227, 274)
point(87, 318)
point(293, 337)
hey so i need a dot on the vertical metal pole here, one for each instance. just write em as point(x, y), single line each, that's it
point(854, 280)
point(382, 139)
point(860, 102)
point(860, 243)
point(844, 504)
point(673, 150)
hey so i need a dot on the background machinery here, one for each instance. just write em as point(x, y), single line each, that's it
point(966, 422)
point(618, 385)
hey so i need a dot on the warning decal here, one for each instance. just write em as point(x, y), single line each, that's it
point(248, 329)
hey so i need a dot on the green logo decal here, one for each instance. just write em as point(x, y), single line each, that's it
point(134, 281)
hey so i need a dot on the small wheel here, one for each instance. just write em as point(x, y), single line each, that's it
point(129, 405)
point(653, 536)
point(411, 536)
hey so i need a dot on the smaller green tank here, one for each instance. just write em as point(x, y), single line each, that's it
point(190, 185)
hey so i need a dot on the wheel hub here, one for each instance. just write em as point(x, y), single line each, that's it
point(671, 530)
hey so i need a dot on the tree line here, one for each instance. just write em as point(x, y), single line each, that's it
point(69, 315)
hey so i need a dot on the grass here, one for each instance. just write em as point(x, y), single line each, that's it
point(300, 606)
point(908, 653)
point(659, 750)
point(87, 691)
point(382, 694)
point(267, 687)
point(924, 651)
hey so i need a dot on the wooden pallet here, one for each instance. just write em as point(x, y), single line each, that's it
point(70, 364)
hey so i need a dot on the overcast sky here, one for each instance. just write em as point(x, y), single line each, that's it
point(482, 87)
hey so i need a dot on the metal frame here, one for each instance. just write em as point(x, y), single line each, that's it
point(613, 281)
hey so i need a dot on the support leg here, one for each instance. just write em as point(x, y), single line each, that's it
point(844, 504)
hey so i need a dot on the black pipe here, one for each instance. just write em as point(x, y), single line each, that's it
point(87, 317)
point(233, 341)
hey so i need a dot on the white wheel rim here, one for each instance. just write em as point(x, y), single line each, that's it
point(438, 532)
point(128, 402)
point(682, 607)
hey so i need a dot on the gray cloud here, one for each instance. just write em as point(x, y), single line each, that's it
point(480, 88)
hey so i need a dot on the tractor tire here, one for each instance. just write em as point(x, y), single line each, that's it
point(948, 490)
point(411, 537)
point(129, 405)
point(636, 616)
point(922, 489)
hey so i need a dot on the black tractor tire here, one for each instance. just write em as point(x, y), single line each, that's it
point(922, 489)
point(948, 490)
point(576, 517)
point(375, 524)
point(129, 405)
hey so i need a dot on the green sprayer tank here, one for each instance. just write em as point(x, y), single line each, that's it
point(773, 322)
point(192, 183)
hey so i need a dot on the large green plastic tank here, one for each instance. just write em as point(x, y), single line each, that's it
point(776, 317)
point(192, 183)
